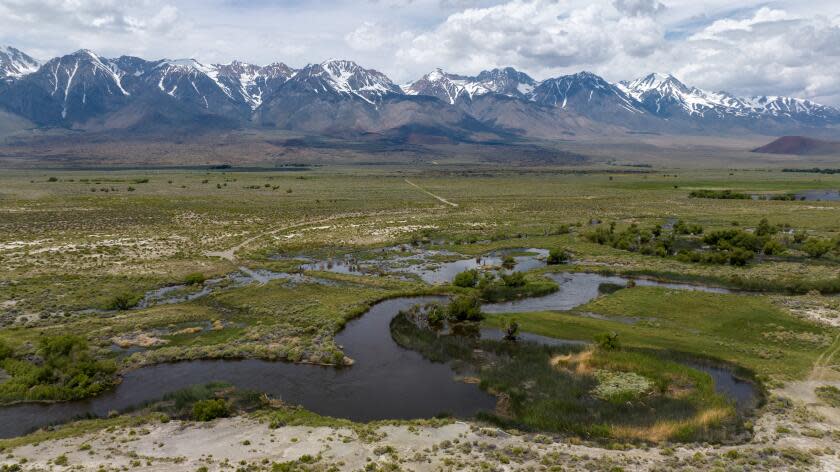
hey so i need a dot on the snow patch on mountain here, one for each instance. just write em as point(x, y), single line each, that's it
point(15, 64)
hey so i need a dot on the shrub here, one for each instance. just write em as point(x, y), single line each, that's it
point(516, 279)
point(773, 247)
point(467, 279)
point(620, 387)
point(5, 351)
point(511, 330)
point(608, 341)
point(564, 229)
point(817, 247)
point(719, 194)
point(195, 278)
point(829, 394)
point(682, 228)
point(508, 262)
point(123, 301)
point(206, 410)
point(465, 308)
point(557, 256)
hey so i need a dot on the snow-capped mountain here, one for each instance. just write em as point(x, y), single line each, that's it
point(665, 96)
point(580, 91)
point(68, 89)
point(344, 78)
point(453, 88)
point(14, 63)
point(804, 111)
point(251, 83)
point(449, 88)
point(87, 91)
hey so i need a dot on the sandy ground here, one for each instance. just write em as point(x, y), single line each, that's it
point(244, 443)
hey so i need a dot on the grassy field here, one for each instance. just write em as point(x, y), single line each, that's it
point(73, 242)
point(746, 330)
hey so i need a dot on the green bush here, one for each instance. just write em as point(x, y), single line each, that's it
point(467, 279)
point(5, 351)
point(608, 341)
point(67, 371)
point(206, 410)
point(557, 256)
point(817, 247)
point(773, 247)
point(195, 278)
point(508, 262)
point(123, 301)
point(719, 194)
point(465, 308)
point(516, 279)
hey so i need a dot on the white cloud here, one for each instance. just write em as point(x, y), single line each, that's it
point(638, 7)
point(540, 35)
point(371, 36)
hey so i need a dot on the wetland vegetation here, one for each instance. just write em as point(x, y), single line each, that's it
point(604, 307)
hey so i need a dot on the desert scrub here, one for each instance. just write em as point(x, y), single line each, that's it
point(829, 394)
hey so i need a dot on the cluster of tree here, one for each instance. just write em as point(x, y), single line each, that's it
point(634, 239)
point(461, 308)
point(719, 194)
point(63, 368)
point(733, 246)
point(815, 170)
point(784, 197)
point(493, 287)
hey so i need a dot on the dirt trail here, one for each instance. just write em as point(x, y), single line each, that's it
point(438, 197)
point(821, 374)
point(230, 254)
point(823, 365)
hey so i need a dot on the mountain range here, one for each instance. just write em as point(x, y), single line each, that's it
point(85, 91)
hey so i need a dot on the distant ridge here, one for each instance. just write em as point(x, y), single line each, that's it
point(339, 98)
point(800, 146)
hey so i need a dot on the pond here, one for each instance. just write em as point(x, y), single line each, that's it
point(819, 195)
point(431, 266)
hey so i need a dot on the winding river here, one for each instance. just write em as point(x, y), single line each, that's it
point(386, 381)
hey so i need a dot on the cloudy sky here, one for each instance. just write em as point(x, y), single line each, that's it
point(786, 47)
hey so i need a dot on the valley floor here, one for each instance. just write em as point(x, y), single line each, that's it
point(104, 273)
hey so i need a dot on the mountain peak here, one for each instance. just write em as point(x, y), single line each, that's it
point(14, 63)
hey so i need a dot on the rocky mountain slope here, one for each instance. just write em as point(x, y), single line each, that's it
point(339, 97)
